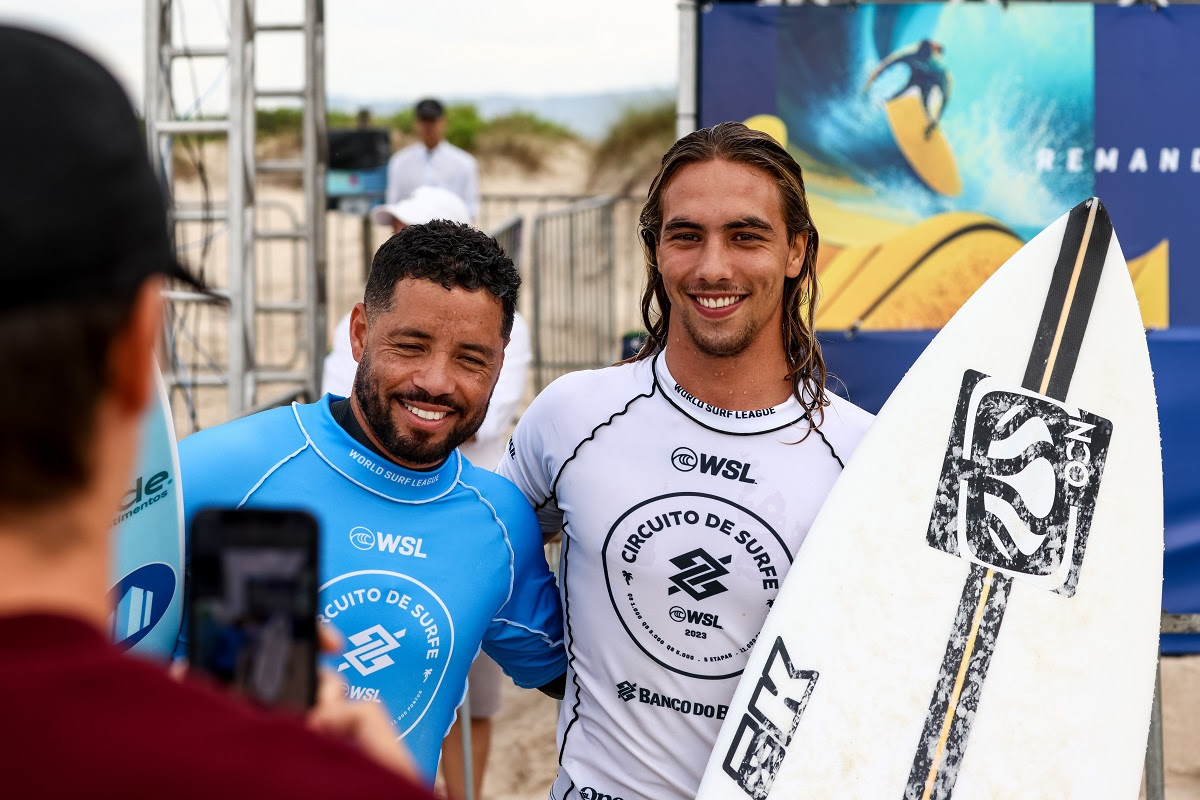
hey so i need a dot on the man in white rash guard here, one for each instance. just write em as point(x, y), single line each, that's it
point(685, 481)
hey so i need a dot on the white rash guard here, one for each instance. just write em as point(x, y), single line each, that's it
point(680, 521)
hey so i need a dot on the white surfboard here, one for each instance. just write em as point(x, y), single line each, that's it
point(975, 611)
point(147, 592)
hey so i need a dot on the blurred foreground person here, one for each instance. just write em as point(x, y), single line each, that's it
point(80, 310)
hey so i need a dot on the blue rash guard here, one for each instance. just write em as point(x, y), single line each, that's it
point(418, 568)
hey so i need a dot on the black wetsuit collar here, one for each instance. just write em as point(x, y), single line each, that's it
point(343, 415)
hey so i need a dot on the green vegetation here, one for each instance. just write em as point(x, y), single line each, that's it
point(635, 143)
point(522, 123)
point(520, 136)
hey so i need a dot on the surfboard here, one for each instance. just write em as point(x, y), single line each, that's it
point(147, 591)
point(929, 156)
point(974, 613)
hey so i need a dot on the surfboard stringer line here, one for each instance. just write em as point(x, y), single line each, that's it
point(976, 626)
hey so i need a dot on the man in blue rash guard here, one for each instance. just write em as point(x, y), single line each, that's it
point(424, 557)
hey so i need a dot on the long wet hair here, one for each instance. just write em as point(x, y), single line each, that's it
point(734, 142)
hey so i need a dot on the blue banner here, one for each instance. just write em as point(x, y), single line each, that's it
point(938, 138)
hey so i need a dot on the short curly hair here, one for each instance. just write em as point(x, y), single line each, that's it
point(449, 253)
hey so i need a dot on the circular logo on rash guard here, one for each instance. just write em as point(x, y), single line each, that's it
point(362, 538)
point(684, 459)
point(399, 638)
point(692, 577)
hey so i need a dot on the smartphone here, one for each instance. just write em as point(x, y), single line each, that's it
point(252, 603)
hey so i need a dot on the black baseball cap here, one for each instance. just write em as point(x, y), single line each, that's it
point(429, 109)
point(81, 212)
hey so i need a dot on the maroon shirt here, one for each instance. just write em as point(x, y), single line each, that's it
point(80, 719)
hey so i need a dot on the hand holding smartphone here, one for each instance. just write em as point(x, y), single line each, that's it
point(252, 603)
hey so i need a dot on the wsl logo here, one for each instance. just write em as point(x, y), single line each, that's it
point(690, 617)
point(362, 538)
point(685, 459)
point(367, 539)
point(140, 600)
point(1019, 483)
point(698, 574)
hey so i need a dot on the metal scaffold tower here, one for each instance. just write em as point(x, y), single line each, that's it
point(219, 344)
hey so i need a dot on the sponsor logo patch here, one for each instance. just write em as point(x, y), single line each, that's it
point(699, 573)
point(139, 602)
point(685, 459)
point(392, 624)
point(145, 492)
point(371, 654)
point(769, 723)
point(692, 577)
point(588, 793)
point(696, 708)
point(364, 538)
point(1019, 483)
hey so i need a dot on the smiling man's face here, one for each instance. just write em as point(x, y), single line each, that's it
point(724, 254)
point(427, 368)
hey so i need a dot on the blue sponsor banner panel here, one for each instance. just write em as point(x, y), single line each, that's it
point(937, 139)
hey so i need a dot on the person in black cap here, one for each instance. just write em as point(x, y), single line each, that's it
point(80, 310)
point(433, 161)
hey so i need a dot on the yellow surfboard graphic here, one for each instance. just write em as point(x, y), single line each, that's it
point(771, 125)
point(1149, 273)
point(917, 279)
point(929, 156)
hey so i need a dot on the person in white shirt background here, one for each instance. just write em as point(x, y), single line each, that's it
point(433, 161)
point(484, 449)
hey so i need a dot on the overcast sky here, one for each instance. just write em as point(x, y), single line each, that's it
point(400, 49)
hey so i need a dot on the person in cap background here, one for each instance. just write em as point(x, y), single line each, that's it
point(484, 449)
point(79, 317)
point(433, 162)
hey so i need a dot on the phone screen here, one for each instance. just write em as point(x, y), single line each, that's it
point(252, 607)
